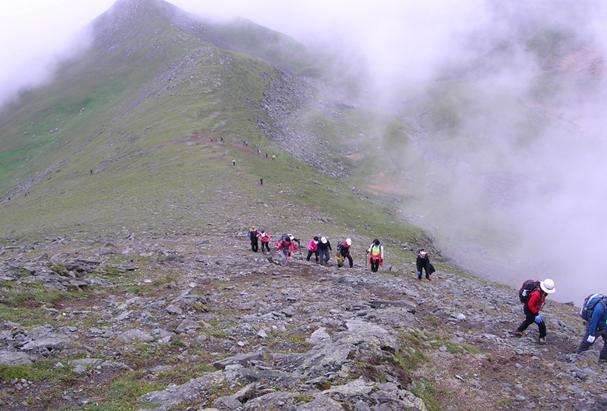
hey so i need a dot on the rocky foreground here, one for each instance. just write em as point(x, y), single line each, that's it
point(182, 323)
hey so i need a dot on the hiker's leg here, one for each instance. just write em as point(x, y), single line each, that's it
point(584, 344)
point(350, 261)
point(542, 327)
point(285, 257)
point(309, 255)
point(419, 275)
point(316, 256)
point(603, 354)
point(427, 274)
point(529, 319)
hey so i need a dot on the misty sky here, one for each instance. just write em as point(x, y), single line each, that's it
point(402, 38)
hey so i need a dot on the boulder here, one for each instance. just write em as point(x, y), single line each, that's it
point(174, 395)
point(273, 401)
point(14, 358)
point(135, 335)
point(242, 359)
point(319, 336)
point(321, 402)
point(46, 345)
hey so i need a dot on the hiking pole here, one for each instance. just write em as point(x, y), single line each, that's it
point(366, 260)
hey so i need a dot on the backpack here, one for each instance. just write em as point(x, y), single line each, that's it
point(376, 250)
point(526, 289)
point(589, 303)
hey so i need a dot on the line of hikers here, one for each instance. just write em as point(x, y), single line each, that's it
point(320, 248)
point(532, 295)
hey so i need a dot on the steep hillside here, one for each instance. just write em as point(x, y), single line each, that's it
point(134, 123)
point(127, 185)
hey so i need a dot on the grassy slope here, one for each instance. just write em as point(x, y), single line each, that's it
point(122, 118)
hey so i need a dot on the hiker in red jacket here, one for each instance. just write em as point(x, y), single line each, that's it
point(286, 247)
point(265, 241)
point(532, 307)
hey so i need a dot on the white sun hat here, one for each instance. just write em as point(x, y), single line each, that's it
point(547, 286)
point(323, 240)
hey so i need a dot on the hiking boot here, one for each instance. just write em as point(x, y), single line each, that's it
point(517, 334)
point(541, 340)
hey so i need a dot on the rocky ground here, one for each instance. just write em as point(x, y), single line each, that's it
point(182, 323)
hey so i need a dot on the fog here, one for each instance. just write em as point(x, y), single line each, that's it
point(505, 165)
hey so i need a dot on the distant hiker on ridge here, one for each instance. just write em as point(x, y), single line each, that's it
point(594, 312)
point(423, 264)
point(533, 296)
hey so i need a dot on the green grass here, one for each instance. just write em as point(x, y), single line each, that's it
point(146, 177)
point(33, 295)
point(40, 371)
point(123, 393)
point(426, 390)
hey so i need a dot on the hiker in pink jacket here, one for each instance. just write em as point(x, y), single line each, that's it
point(313, 249)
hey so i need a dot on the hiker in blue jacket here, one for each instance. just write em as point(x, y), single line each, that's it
point(597, 326)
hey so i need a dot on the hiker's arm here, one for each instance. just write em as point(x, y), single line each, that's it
point(534, 302)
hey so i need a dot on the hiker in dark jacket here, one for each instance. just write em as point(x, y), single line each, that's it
point(597, 326)
point(254, 237)
point(324, 248)
point(423, 264)
point(532, 309)
point(343, 252)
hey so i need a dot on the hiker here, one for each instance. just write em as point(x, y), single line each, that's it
point(343, 253)
point(286, 248)
point(260, 181)
point(254, 237)
point(376, 255)
point(265, 241)
point(533, 296)
point(594, 312)
point(296, 240)
point(423, 263)
point(324, 246)
point(313, 249)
